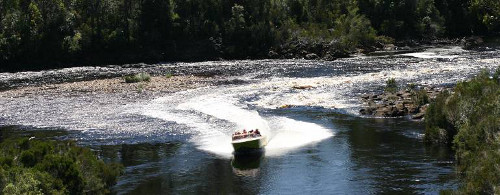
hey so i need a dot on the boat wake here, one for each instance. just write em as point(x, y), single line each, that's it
point(248, 95)
point(211, 119)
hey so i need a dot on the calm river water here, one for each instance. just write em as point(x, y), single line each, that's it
point(180, 142)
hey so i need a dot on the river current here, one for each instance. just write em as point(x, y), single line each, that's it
point(180, 142)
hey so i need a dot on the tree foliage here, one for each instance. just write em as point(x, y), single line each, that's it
point(49, 167)
point(470, 120)
point(41, 33)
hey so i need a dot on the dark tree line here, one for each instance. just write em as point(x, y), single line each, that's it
point(55, 33)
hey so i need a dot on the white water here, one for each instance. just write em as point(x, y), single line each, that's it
point(443, 53)
point(214, 115)
point(210, 115)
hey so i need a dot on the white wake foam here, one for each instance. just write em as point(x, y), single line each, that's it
point(212, 118)
point(291, 134)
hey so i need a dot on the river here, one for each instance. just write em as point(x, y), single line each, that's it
point(179, 142)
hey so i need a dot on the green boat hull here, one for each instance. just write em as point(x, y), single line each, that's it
point(249, 144)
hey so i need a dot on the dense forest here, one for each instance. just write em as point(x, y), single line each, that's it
point(37, 34)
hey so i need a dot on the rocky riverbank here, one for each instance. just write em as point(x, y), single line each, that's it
point(157, 86)
point(328, 50)
point(408, 102)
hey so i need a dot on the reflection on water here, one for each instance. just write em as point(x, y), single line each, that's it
point(248, 160)
point(247, 164)
point(180, 143)
point(392, 157)
point(366, 156)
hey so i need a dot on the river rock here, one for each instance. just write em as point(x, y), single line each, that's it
point(472, 42)
point(272, 54)
point(302, 87)
point(412, 108)
point(406, 95)
point(418, 116)
point(389, 47)
point(286, 106)
point(424, 108)
point(367, 111)
point(407, 101)
point(397, 104)
point(387, 111)
point(329, 57)
point(312, 56)
point(401, 107)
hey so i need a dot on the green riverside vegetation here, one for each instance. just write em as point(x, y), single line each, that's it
point(53, 167)
point(469, 120)
point(38, 34)
point(391, 86)
point(140, 77)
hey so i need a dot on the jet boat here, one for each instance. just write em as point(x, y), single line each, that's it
point(248, 141)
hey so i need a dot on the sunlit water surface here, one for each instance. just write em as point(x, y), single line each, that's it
point(180, 142)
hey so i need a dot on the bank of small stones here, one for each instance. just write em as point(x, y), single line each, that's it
point(158, 86)
point(399, 104)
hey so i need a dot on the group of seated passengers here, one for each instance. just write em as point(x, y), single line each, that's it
point(252, 133)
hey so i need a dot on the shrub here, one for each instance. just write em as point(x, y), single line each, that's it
point(437, 127)
point(420, 97)
point(140, 88)
point(411, 86)
point(131, 79)
point(470, 119)
point(64, 170)
point(145, 77)
point(24, 183)
point(137, 78)
point(384, 40)
point(391, 85)
point(49, 167)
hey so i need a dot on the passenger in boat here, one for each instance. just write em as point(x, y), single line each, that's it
point(236, 135)
point(257, 132)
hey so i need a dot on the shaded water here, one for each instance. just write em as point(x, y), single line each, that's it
point(180, 142)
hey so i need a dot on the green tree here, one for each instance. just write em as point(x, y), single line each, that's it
point(431, 22)
point(354, 30)
point(487, 12)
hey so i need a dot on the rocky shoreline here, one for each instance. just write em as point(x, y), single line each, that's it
point(327, 50)
point(407, 102)
point(157, 86)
